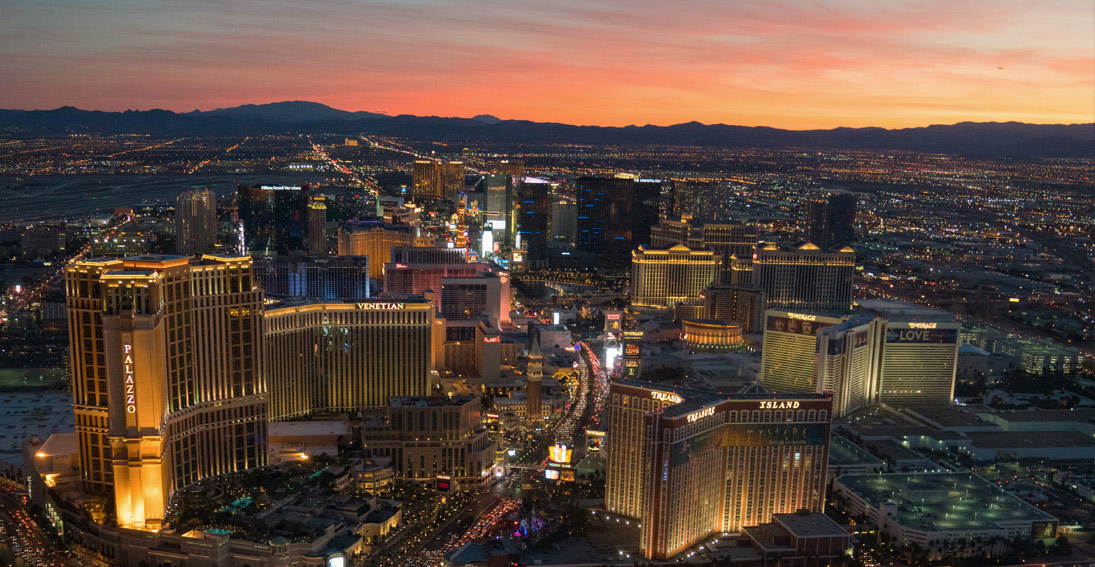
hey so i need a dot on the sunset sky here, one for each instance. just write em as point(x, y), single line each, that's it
point(806, 64)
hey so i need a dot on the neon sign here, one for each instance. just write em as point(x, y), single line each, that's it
point(802, 316)
point(666, 397)
point(379, 305)
point(778, 405)
point(700, 414)
point(923, 325)
point(130, 384)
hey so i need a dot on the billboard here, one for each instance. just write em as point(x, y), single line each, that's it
point(594, 440)
point(1043, 530)
point(922, 336)
point(560, 453)
point(794, 326)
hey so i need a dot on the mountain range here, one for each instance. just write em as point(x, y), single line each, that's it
point(979, 139)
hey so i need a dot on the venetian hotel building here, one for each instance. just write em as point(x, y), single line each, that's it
point(167, 375)
point(344, 357)
point(688, 464)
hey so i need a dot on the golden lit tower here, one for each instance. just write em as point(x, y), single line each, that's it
point(317, 226)
point(535, 375)
point(168, 383)
point(803, 278)
point(344, 357)
point(664, 277)
point(687, 464)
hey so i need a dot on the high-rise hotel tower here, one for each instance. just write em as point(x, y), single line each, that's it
point(344, 357)
point(167, 375)
point(687, 464)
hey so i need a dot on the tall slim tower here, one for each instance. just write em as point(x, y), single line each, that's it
point(196, 222)
point(317, 226)
point(167, 374)
point(535, 374)
point(533, 205)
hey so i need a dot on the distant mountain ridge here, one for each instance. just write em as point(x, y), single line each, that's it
point(982, 139)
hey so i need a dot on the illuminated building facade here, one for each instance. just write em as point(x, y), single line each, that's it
point(535, 375)
point(437, 179)
point(533, 205)
point(343, 357)
point(430, 436)
point(317, 226)
point(919, 361)
point(167, 374)
point(418, 278)
point(195, 222)
point(274, 217)
point(306, 277)
point(711, 335)
point(375, 240)
point(789, 354)
point(725, 239)
point(500, 213)
point(486, 295)
point(615, 213)
point(848, 364)
point(426, 255)
point(735, 302)
point(632, 355)
point(805, 278)
point(511, 167)
point(920, 352)
point(830, 220)
point(701, 199)
point(687, 464)
point(664, 277)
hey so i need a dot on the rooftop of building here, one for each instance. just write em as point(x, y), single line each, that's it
point(900, 311)
point(1030, 439)
point(26, 414)
point(646, 249)
point(377, 224)
point(943, 502)
point(853, 321)
point(704, 322)
point(696, 399)
point(843, 452)
point(428, 401)
point(893, 451)
point(905, 431)
point(972, 350)
point(944, 416)
point(809, 525)
point(1043, 415)
point(60, 444)
point(307, 428)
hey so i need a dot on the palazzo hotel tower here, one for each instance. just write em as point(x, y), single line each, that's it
point(167, 375)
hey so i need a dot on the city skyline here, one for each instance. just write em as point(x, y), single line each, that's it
point(796, 65)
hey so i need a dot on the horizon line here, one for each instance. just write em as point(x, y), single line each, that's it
point(632, 125)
